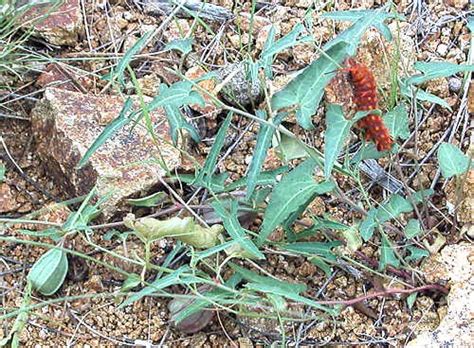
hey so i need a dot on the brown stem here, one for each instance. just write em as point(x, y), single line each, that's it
point(373, 263)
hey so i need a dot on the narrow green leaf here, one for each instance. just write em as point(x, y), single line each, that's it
point(2, 172)
point(306, 90)
point(183, 45)
point(396, 206)
point(237, 232)
point(451, 160)
point(264, 178)
point(118, 72)
point(149, 201)
point(368, 225)
point(411, 300)
point(319, 262)
point(416, 253)
point(296, 189)
point(49, 271)
point(337, 130)
point(434, 70)
point(397, 122)
point(412, 229)
point(266, 63)
point(271, 289)
point(410, 91)
point(250, 276)
point(132, 281)
point(264, 139)
point(313, 248)
point(211, 160)
point(470, 24)
point(387, 256)
point(171, 279)
point(112, 128)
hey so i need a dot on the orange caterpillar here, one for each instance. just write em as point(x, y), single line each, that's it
point(365, 97)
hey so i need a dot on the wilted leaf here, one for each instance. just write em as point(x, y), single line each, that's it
point(48, 273)
point(185, 230)
point(451, 160)
point(193, 322)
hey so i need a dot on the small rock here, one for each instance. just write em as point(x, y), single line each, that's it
point(454, 84)
point(65, 124)
point(54, 76)
point(456, 328)
point(442, 49)
point(239, 90)
point(61, 25)
point(7, 199)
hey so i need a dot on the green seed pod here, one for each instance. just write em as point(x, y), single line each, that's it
point(48, 273)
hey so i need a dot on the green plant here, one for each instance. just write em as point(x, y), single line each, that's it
point(281, 196)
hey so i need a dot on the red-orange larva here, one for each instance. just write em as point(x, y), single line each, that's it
point(365, 98)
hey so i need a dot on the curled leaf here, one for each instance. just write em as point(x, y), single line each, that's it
point(48, 273)
point(198, 317)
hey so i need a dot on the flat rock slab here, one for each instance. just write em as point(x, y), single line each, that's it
point(456, 264)
point(57, 24)
point(65, 124)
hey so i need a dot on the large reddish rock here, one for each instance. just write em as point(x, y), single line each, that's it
point(57, 24)
point(65, 124)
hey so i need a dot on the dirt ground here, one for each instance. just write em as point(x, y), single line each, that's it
point(437, 31)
